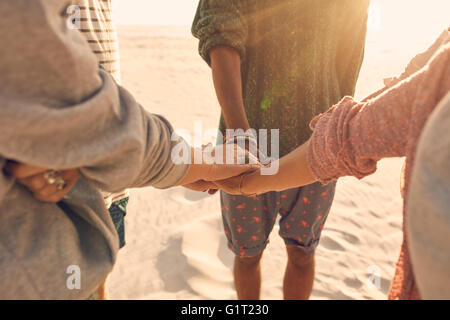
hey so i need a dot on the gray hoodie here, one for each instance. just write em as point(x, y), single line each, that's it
point(58, 110)
point(429, 207)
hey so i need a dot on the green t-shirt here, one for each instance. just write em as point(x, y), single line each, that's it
point(299, 57)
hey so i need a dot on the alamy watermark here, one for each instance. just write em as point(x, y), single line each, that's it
point(373, 281)
point(256, 142)
point(73, 21)
point(73, 281)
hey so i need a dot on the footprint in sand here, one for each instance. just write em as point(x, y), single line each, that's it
point(347, 236)
point(331, 244)
point(204, 246)
point(197, 260)
point(353, 283)
point(385, 285)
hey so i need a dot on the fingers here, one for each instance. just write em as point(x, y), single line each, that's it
point(224, 171)
point(45, 192)
point(211, 168)
point(243, 184)
point(20, 170)
point(201, 186)
point(230, 185)
point(51, 193)
point(33, 183)
point(32, 177)
point(230, 154)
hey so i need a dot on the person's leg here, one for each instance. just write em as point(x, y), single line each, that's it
point(247, 277)
point(299, 275)
point(248, 222)
point(303, 215)
point(117, 211)
point(102, 291)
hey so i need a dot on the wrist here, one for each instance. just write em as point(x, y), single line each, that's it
point(245, 140)
point(249, 183)
point(237, 120)
point(196, 171)
point(240, 134)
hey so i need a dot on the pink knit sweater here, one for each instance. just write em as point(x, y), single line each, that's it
point(351, 137)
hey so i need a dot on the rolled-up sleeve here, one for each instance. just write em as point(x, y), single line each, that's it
point(220, 23)
point(59, 110)
point(352, 136)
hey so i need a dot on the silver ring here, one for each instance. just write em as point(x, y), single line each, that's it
point(54, 178)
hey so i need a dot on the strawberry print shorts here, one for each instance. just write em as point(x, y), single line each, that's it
point(248, 221)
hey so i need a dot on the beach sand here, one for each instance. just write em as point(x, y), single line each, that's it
point(176, 248)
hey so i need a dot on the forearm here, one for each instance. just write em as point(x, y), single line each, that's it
point(293, 172)
point(211, 169)
point(196, 171)
point(226, 70)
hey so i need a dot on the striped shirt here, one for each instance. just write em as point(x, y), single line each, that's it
point(96, 24)
point(94, 20)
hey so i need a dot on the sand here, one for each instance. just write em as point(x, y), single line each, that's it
point(176, 248)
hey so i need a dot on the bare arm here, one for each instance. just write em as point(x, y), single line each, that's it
point(207, 173)
point(221, 27)
point(339, 144)
point(351, 137)
point(293, 172)
point(226, 71)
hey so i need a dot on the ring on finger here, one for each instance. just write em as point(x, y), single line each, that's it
point(54, 178)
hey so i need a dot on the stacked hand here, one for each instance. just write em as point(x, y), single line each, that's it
point(220, 167)
point(45, 184)
point(219, 164)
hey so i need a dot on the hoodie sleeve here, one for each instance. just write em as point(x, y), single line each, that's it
point(60, 110)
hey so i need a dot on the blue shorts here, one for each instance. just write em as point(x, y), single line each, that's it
point(303, 211)
point(118, 210)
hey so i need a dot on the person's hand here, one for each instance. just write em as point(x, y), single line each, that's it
point(242, 156)
point(231, 185)
point(292, 171)
point(249, 142)
point(218, 163)
point(45, 184)
point(202, 186)
point(242, 184)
